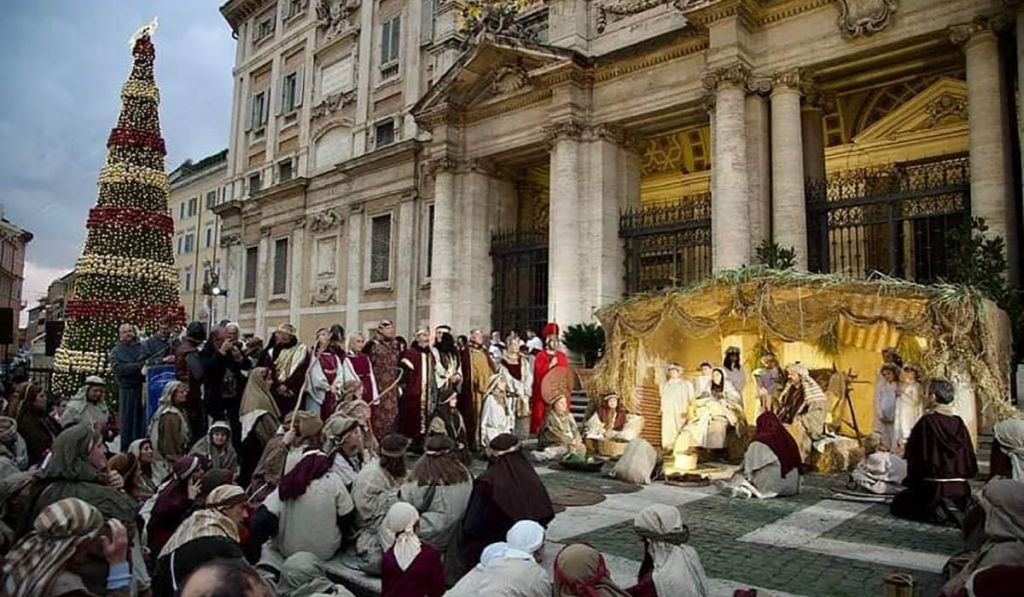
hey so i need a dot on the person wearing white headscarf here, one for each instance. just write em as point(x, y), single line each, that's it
point(670, 568)
point(509, 568)
point(410, 567)
point(497, 416)
point(1009, 440)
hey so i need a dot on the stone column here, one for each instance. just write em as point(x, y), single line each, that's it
point(812, 126)
point(474, 268)
point(296, 292)
point(563, 225)
point(442, 266)
point(759, 165)
point(262, 279)
point(730, 214)
point(992, 196)
point(406, 272)
point(354, 288)
point(789, 213)
point(232, 276)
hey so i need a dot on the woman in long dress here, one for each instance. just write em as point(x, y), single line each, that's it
point(676, 394)
point(327, 373)
point(909, 405)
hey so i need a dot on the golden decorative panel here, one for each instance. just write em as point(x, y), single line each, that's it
point(684, 152)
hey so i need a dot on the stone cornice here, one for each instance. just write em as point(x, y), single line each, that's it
point(399, 152)
point(691, 45)
point(281, 189)
point(237, 11)
point(752, 13)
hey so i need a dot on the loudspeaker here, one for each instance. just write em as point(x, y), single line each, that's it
point(54, 334)
point(6, 325)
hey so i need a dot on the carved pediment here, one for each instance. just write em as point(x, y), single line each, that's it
point(325, 293)
point(491, 70)
point(327, 219)
point(941, 104)
point(337, 17)
point(332, 103)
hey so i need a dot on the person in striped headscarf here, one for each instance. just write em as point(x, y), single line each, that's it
point(65, 534)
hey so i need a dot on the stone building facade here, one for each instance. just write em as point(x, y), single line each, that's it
point(499, 164)
point(196, 189)
point(13, 241)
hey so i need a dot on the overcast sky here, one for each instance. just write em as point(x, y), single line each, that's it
point(64, 62)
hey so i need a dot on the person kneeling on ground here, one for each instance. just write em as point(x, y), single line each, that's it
point(374, 492)
point(580, 571)
point(510, 568)
point(559, 435)
point(940, 460)
point(669, 568)
point(771, 465)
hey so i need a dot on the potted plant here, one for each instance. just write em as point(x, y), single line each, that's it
point(587, 341)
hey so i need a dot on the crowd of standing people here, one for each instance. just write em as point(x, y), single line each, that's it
point(263, 467)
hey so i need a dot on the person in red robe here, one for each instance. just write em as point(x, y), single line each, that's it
point(419, 395)
point(385, 352)
point(362, 366)
point(545, 361)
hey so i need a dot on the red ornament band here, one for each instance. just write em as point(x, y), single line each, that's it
point(137, 138)
point(125, 310)
point(129, 216)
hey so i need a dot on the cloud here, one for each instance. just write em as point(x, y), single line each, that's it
point(65, 62)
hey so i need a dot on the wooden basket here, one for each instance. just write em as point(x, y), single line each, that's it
point(611, 448)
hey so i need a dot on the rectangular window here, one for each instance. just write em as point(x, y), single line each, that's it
point(390, 44)
point(380, 249)
point(280, 266)
point(258, 111)
point(206, 275)
point(180, 238)
point(292, 7)
point(193, 205)
point(264, 29)
point(189, 242)
point(427, 23)
point(251, 264)
point(385, 133)
point(209, 236)
point(187, 279)
point(288, 92)
point(211, 199)
point(254, 183)
point(430, 238)
point(284, 171)
point(181, 211)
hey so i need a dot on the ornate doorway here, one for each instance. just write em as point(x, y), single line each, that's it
point(667, 245)
point(520, 292)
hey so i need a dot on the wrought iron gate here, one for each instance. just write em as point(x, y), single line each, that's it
point(892, 220)
point(520, 292)
point(667, 245)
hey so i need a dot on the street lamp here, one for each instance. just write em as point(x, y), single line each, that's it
point(212, 289)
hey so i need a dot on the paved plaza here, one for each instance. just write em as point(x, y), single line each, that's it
point(805, 545)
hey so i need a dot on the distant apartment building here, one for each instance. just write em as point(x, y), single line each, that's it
point(13, 240)
point(196, 188)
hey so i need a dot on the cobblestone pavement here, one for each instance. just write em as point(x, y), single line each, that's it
point(804, 545)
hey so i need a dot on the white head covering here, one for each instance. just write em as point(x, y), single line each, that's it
point(1010, 435)
point(521, 542)
point(677, 568)
point(399, 530)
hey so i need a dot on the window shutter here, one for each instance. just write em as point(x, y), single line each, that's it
point(300, 77)
point(248, 113)
point(427, 22)
point(385, 38)
point(279, 109)
point(396, 37)
point(265, 108)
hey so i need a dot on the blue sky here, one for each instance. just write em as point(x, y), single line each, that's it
point(64, 62)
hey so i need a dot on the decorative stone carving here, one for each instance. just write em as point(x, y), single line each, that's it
point(332, 103)
point(961, 34)
point(230, 240)
point(865, 17)
point(623, 8)
point(566, 129)
point(325, 220)
point(325, 293)
point(481, 17)
point(790, 78)
point(335, 16)
point(759, 85)
point(734, 74)
point(509, 78)
point(443, 163)
point(945, 106)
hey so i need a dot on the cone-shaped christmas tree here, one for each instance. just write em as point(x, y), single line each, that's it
point(126, 272)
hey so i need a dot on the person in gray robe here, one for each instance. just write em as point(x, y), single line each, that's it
point(127, 359)
point(374, 491)
point(439, 487)
point(771, 465)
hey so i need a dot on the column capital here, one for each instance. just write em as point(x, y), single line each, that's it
point(792, 80)
point(571, 128)
point(735, 75)
point(963, 33)
point(708, 101)
point(613, 134)
point(441, 163)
